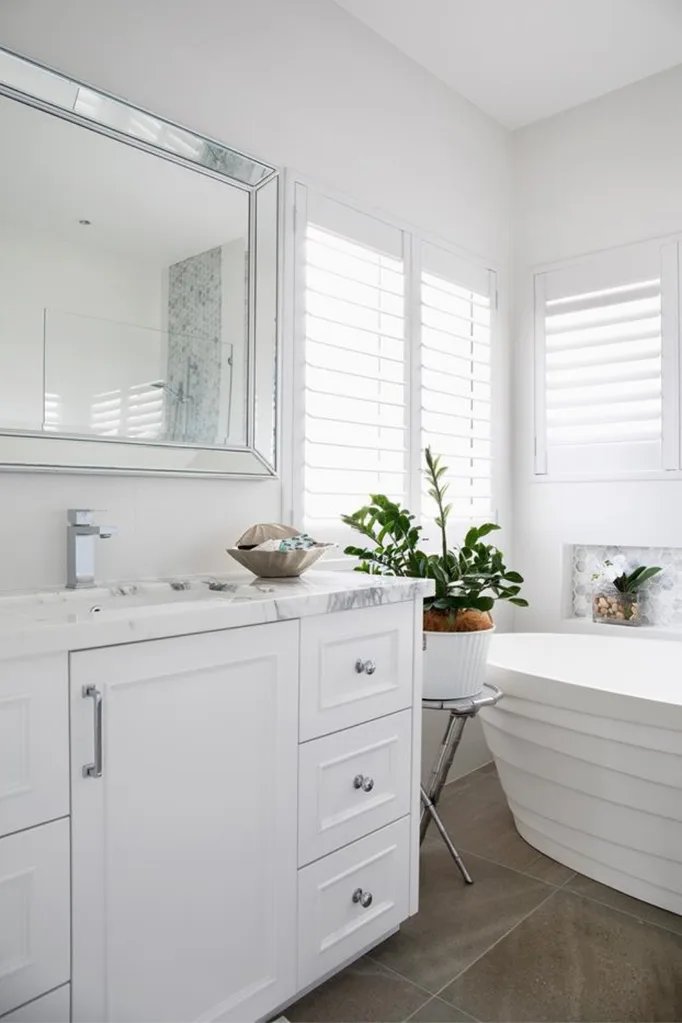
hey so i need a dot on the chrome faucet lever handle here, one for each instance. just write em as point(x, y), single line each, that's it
point(80, 516)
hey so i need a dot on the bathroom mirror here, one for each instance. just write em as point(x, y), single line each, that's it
point(138, 288)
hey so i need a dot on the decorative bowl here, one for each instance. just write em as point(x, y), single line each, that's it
point(277, 564)
point(255, 535)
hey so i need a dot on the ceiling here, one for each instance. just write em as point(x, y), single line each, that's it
point(148, 210)
point(523, 60)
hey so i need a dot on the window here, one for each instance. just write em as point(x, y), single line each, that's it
point(455, 378)
point(600, 394)
point(355, 388)
point(393, 353)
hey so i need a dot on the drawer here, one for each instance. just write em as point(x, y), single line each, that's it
point(52, 1008)
point(355, 666)
point(335, 923)
point(353, 782)
point(34, 741)
point(34, 911)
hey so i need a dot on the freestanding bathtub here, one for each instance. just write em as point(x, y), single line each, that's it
point(588, 744)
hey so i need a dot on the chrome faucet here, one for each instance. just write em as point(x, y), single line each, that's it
point(81, 534)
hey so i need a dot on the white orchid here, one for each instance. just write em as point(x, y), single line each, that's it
point(611, 569)
point(618, 566)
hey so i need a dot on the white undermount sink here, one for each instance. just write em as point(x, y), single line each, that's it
point(64, 606)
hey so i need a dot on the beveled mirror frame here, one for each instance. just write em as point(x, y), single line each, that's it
point(37, 451)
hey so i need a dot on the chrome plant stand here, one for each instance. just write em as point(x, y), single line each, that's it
point(459, 713)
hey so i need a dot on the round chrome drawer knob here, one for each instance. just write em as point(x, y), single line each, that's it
point(364, 898)
point(368, 667)
point(364, 782)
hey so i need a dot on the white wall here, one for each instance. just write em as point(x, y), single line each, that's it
point(600, 175)
point(300, 83)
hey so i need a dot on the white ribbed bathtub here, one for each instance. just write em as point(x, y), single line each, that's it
point(588, 744)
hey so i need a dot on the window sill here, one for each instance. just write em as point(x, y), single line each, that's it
point(653, 475)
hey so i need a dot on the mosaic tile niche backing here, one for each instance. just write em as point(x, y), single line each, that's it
point(662, 604)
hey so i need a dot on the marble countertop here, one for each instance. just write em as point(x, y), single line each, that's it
point(66, 620)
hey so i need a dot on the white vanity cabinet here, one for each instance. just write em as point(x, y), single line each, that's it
point(184, 850)
point(204, 814)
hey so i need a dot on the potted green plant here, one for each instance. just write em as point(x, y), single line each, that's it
point(616, 596)
point(469, 579)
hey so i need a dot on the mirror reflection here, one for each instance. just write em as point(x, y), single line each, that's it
point(124, 297)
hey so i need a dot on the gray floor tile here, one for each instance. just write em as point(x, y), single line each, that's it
point(363, 993)
point(475, 812)
point(546, 869)
point(618, 900)
point(438, 1011)
point(576, 960)
point(457, 922)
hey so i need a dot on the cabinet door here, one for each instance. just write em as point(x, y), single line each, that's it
point(34, 913)
point(34, 741)
point(184, 849)
point(52, 1008)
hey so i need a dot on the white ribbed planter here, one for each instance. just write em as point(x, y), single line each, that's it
point(455, 663)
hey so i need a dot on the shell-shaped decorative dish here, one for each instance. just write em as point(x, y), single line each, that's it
point(277, 564)
point(263, 531)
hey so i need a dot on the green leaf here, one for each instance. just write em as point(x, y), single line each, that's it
point(471, 538)
point(514, 577)
point(487, 527)
point(639, 577)
point(518, 601)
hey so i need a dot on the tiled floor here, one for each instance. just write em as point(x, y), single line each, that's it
point(529, 941)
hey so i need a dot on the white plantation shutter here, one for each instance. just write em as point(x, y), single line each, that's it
point(600, 365)
point(456, 399)
point(354, 403)
point(393, 352)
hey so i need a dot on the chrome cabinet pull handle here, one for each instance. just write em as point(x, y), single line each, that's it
point(364, 898)
point(94, 770)
point(368, 667)
point(364, 782)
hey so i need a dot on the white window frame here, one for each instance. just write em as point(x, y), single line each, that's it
point(670, 250)
point(296, 187)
